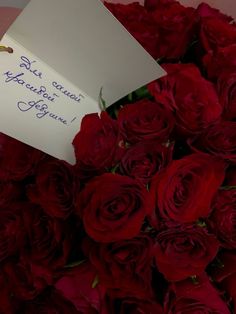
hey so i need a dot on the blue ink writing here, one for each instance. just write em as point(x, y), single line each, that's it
point(62, 89)
point(28, 65)
point(41, 91)
point(41, 109)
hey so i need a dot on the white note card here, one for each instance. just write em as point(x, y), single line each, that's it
point(64, 52)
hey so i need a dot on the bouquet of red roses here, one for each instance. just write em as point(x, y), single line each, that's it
point(145, 222)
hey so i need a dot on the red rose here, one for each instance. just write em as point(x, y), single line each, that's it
point(222, 58)
point(113, 207)
point(223, 218)
point(151, 5)
point(225, 274)
point(50, 301)
point(192, 99)
point(134, 306)
point(226, 87)
point(145, 120)
point(80, 288)
point(26, 279)
point(54, 188)
point(186, 297)
point(144, 159)
point(216, 33)
point(10, 192)
point(7, 304)
point(218, 140)
point(184, 251)
point(184, 191)
point(125, 266)
point(17, 160)
point(12, 233)
point(204, 10)
point(177, 28)
point(98, 145)
point(139, 23)
point(49, 240)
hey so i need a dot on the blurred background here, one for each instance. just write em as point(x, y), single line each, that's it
point(13, 3)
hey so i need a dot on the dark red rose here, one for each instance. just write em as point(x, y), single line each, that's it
point(225, 274)
point(7, 304)
point(151, 5)
point(223, 218)
point(183, 192)
point(12, 233)
point(134, 306)
point(216, 33)
point(192, 99)
point(125, 266)
point(49, 302)
point(177, 27)
point(205, 10)
point(98, 145)
point(113, 207)
point(80, 287)
point(184, 251)
point(226, 87)
point(144, 159)
point(189, 298)
point(27, 279)
point(10, 192)
point(139, 23)
point(17, 160)
point(49, 240)
point(218, 140)
point(145, 120)
point(222, 58)
point(230, 176)
point(55, 188)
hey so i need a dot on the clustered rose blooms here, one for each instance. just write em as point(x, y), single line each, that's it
point(145, 221)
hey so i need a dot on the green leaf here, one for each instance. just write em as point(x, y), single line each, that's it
point(74, 264)
point(201, 223)
point(228, 187)
point(101, 101)
point(113, 170)
point(142, 92)
point(95, 282)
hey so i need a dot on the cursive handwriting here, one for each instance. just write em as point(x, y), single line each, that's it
point(41, 109)
point(27, 64)
point(62, 89)
point(18, 78)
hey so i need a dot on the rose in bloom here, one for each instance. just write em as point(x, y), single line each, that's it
point(186, 297)
point(49, 240)
point(130, 305)
point(184, 251)
point(26, 279)
point(151, 5)
point(204, 10)
point(218, 140)
point(225, 274)
point(98, 145)
point(183, 192)
point(10, 192)
point(80, 287)
point(177, 28)
point(144, 159)
point(139, 23)
point(222, 58)
point(145, 120)
point(192, 99)
point(17, 160)
point(54, 188)
point(223, 218)
point(216, 33)
point(113, 207)
point(50, 301)
point(125, 266)
point(226, 87)
point(12, 235)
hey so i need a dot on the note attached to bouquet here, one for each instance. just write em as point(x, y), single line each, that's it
point(64, 52)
